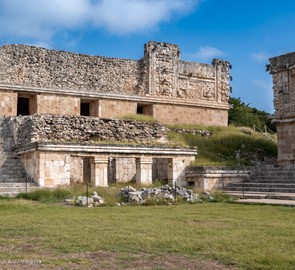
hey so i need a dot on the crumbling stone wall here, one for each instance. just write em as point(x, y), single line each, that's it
point(85, 130)
point(160, 73)
point(31, 66)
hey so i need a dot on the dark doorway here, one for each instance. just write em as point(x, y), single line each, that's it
point(23, 106)
point(139, 109)
point(85, 109)
point(146, 109)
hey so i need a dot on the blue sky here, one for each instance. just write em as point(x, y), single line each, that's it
point(243, 32)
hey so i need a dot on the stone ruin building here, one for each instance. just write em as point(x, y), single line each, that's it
point(277, 180)
point(282, 69)
point(59, 114)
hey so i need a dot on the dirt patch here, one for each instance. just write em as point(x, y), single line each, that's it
point(104, 260)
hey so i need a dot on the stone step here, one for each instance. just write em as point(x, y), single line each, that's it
point(17, 184)
point(12, 189)
point(261, 189)
point(262, 185)
point(262, 195)
point(270, 180)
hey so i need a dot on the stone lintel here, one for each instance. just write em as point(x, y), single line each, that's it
point(113, 150)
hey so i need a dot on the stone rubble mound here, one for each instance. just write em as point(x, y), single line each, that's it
point(94, 200)
point(130, 195)
point(56, 128)
point(200, 132)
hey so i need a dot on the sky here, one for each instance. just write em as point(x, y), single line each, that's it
point(244, 32)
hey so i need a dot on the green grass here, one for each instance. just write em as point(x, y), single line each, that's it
point(247, 236)
point(221, 147)
point(138, 117)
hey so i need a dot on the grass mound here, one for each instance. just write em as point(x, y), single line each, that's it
point(227, 146)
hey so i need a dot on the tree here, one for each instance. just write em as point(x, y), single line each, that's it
point(241, 114)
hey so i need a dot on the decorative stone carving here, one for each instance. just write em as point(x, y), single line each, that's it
point(160, 73)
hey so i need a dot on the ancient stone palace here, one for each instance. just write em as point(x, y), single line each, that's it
point(41, 81)
point(282, 69)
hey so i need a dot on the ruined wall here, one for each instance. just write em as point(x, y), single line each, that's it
point(160, 73)
point(282, 69)
point(31, 66)
point(81, 129)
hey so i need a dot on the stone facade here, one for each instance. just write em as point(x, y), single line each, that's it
point(282, 69)
point(159, 84)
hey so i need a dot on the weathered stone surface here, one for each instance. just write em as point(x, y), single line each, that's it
point(85, 129)
point(131, 195)
point(82, 201)
point(97, 200)
point(159, 73)
point(282, 69)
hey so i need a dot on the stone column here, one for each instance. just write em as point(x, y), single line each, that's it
point(144, 170)
point(99, 171)
point(172, 174)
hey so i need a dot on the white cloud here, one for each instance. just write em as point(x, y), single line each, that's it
point(208, 52)
point(43, 19)
point(260, 56)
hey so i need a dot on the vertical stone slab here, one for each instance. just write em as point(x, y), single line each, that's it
point(144, 170)
point(176, 170)
point(99, 171)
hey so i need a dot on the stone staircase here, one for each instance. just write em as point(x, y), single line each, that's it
point(13, 177)
point(266, 182)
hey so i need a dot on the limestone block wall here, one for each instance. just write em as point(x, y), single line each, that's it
point(8, 103)
point(114, 108)
point(286, 143)
point(215, 178)
point(55, 169)
point(173, 114)
point(57, 104)
point(31, 162)
point(160, 77)
point(125, 170)
point(177, 169)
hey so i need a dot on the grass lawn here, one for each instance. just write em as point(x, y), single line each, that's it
point(245, 236)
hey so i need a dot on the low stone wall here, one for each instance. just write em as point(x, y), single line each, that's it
point(82, 129)
point(215, 178)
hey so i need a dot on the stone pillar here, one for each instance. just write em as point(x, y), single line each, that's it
point(144, 170)
point(172, 174)
point(99, 171)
